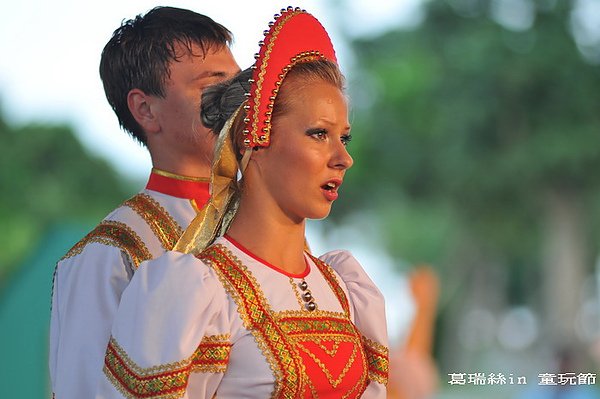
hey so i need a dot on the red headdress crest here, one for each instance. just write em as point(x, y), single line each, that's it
point(295, 36)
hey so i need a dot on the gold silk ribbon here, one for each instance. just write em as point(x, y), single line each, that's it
point(214, 219)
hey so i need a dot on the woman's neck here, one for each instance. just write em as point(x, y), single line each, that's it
point(270, 236)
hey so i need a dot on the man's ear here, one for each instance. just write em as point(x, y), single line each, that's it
point(140, 106)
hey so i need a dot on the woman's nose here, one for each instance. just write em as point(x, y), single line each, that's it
point(341, 159)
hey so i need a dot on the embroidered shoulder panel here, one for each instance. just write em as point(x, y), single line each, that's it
point(255, 312)
point(333, 283)
point(167, 381)
point(162, 224)
point(117, 234)
point(377, 359)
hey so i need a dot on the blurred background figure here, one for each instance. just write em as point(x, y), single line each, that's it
point(413, 372)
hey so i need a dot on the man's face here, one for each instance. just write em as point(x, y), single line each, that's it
point(178, 113)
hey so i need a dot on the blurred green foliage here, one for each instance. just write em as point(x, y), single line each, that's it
point(48, 178)
point(477, 149)
point(464, 124)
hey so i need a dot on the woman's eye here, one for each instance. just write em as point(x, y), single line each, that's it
point(346, 139)
point(320, 134)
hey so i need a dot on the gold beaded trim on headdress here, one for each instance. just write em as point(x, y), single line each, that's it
point(295, 36)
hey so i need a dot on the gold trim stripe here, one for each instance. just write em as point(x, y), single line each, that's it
point(378, 360)
point(167, 381)
point(302, 325)
point(333, 283)
point(117, 234)
point(257, 316)
point(164, 173)
point(377, 354)
point(306, 330)
point(164, 227)
point(335, 382)
point(212, 355)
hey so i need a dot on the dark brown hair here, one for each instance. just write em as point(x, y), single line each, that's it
point(140, 51)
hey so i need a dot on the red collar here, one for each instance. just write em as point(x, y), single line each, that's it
point(264, 262)
point(192, 188)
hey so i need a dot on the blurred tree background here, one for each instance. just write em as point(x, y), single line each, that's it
point(53, 192)
point(48, 178)
point(477, 141)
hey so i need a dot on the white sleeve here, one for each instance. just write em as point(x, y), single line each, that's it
point(87, 288)
point(171, 333)
point(367, 308)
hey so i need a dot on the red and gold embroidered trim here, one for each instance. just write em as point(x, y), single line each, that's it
point(212, 355)
point(378, 359)
point(377, 354)
point(290, 341)
point(333, 283)
point(336, 338)
point(117, 234)
point(334, 381)
point(167, 381)
point(301, 325)
point(164, 227)
point(257, 316)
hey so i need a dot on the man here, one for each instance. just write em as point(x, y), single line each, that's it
point(154, 69)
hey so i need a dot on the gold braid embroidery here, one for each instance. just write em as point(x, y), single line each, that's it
point(333, 381)
point(212, 354)
point(333, 283)
point(118, 234)
point(301, 325)
point(377, 354)
point(164, 227)
point(255, 312)
point(167, 381)
point(338, 329)
point(378, 360)
point(360, 387)
point(280, 335)
point(331, 352)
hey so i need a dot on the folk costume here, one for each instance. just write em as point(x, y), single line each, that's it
point(215, 320)
point(91, 277)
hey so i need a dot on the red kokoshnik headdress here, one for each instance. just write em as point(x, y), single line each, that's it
point(295, 36)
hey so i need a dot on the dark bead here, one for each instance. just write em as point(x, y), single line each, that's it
point(303, 285)
point(307, 296)
point(311, 306)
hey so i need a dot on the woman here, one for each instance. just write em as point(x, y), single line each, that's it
point(253, 314)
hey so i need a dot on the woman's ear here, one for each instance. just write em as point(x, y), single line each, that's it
point(141, 107)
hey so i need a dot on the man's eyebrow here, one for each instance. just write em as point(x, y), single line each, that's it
point(211, 74)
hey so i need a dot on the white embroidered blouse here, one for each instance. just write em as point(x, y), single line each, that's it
point(231, 325)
